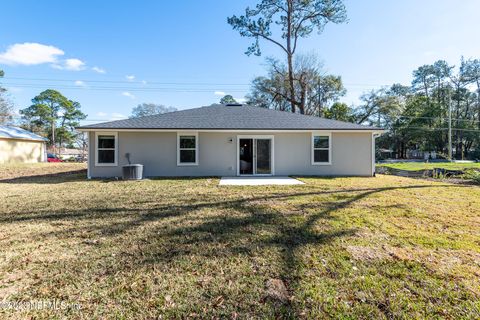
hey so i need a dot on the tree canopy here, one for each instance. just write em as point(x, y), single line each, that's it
point(228, 99)
point(150, 109)
point(53, 115)
point(416, 116)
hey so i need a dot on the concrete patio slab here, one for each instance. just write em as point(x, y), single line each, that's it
point(258, 181)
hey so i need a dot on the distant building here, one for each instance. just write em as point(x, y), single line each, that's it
point(387, 154)
point(70, 154)
point(22, 146)
point(419, 154)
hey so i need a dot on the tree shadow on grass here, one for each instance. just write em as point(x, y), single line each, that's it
point(158, 211)
point(219, 235)
point(51, 178)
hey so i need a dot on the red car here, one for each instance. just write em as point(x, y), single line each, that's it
point(53, 158)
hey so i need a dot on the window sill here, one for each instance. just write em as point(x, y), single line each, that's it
point(187, 164)
point(321, 163)
point(106, 165)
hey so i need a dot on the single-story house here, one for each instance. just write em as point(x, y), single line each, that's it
point(231, 140)
point(19, 145)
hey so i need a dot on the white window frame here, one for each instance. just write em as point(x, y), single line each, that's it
point(103, 133)
point(181, 134)
point(321, 134)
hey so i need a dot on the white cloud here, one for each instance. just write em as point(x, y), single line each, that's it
point(128, 94)
point(130, 77)
point(101, 114)
point(30, 53)
point(144, 82)
point(80, 83)
point(99, 70)
point(220, 93)
point(74, 64)
point(117, 116)
point(70, 64)
point(14, 89)
point(240, 100)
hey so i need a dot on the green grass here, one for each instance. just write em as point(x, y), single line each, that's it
point(385, 247)
point(415, 166)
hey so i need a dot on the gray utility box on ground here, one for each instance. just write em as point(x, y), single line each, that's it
point(133, 172)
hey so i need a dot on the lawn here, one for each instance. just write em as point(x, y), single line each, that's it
point(384, 247)
point(416, 166)
point(40, 170)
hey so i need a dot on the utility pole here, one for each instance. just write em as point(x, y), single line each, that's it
point(449, 129)
point(53, 137)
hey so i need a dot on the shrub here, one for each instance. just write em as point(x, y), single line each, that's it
point(473, 175)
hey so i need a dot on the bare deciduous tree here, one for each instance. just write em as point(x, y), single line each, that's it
point(6, 106)
point(312, 87)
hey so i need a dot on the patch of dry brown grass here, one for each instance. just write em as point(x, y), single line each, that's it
point(385, 247)
point(28, 170)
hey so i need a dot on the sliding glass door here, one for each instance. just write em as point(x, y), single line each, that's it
point(263, 156)
point(255, 155)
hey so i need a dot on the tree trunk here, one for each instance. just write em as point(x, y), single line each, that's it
point(458, 151)
point(290, 56)
point(291, 83)
point(53, 135)
point(478, 101)
point(303, 97)
point(53, 115)
point(60, 141)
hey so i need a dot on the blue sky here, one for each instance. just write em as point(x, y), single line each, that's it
point(111, 57)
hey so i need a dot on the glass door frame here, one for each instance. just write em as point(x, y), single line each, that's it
point(254, 164)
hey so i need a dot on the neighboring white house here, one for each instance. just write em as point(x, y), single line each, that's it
point(232, 140)
point(19, 145)
point(70, 153)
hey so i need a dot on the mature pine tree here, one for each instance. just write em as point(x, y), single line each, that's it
point(296, 19)
point(52, 114)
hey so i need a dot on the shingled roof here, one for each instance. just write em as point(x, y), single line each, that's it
point(228, 117)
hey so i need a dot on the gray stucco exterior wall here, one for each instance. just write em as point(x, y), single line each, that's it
point(157, 151)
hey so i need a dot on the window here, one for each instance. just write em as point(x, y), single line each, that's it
point(321, 147)
point(106, 146)
point(187, 149)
